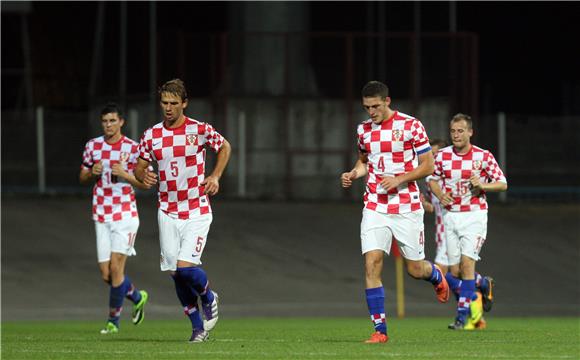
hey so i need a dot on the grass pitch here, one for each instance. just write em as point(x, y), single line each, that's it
point(296, 338)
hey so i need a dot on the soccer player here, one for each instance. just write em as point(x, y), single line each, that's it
point(465, 172)
point(432, 205)
point(394, 151)
point(178, 145)
point(108, 162)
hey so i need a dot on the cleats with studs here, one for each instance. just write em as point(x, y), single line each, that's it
point(487, 296)
point(110, 328)
point(377, 337)
point(442, 289)
point(139, 309)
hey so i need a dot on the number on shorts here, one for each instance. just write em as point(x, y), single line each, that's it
point(174, 168)
point(421, 239)
point(199, 244)
point(480, 241)
point(132, 237)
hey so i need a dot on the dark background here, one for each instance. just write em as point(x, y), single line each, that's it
point(528, 51)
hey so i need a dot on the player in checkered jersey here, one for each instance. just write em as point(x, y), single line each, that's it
point(394, 151)
point(463, 174)
point(108, 162)
point(178, 145)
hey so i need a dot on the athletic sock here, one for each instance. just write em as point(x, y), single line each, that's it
point(454, 284)
point(197, 278)
point(116, 297)
point(376, 304)
point(436, 275)
point(466, 293)
point(188, 300)
point(132, 293)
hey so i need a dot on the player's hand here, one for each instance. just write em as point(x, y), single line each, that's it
point(475, 185)
point(97, 169)
point(150, 179)
point(118, 170)
point(212, 185)
point(390, 182)
point(446, 199)
point(347, 178)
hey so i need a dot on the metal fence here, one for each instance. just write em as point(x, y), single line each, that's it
point(299, 96)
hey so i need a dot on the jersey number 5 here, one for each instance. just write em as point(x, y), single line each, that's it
point(174, 168)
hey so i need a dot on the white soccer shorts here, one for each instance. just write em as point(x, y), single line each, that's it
point(116, 236)
point(377, 231)
point(465, 233)
point(182, 239)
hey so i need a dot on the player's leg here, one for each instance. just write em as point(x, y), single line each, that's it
point(408, 230)
point(169, 240)
point(104, 241)
point(472, 230)
point(124, 234)
point(376, 239)
point(194, 238)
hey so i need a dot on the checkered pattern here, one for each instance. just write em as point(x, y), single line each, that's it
point(378, 318)
point(463, 302)
point(439, 227)
point(392, 148)
point(113, 200)
point(180, 155)
point(454, 170)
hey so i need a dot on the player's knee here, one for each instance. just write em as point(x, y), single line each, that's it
point(415, 269)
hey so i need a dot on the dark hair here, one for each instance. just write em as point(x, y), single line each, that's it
point(459, 116)
point(438, 142)
point(112, 108)
point(374, 89)
point(175, 87)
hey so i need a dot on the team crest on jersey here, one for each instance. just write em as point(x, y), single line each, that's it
point(397, 135)
point(192, 139)
point(124, 156)
point(477, 165)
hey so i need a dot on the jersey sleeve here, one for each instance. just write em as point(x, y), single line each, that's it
point(493, 170)
point(359, 139)
point(144, 149)
point(88, 156)
point(420, 138)
point(211, 138)
point(438, 164)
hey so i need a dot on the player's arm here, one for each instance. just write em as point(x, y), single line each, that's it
point(426, 203)
point(211, 183)
point(143, 175)
point(87, 176)
point(495, 186)
point(359, 170)
point(424, 169)
point(118, 170)
point(444, 198)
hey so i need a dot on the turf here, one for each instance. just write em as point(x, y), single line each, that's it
point(296, 338)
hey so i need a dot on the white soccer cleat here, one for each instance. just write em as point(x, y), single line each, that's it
point(211, 313)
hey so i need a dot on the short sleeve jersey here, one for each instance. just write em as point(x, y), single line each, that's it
point(113, 199)
point(180, 156)
point(453, 172)
point(392, 148)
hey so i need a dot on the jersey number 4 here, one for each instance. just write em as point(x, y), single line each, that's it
point(381, 164)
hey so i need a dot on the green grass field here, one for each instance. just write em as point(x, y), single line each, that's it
point(302, 338)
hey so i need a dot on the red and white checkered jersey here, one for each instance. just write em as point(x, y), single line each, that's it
point(113, 199)
point(392, 147)
point(454, 171)
point(180, 156)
